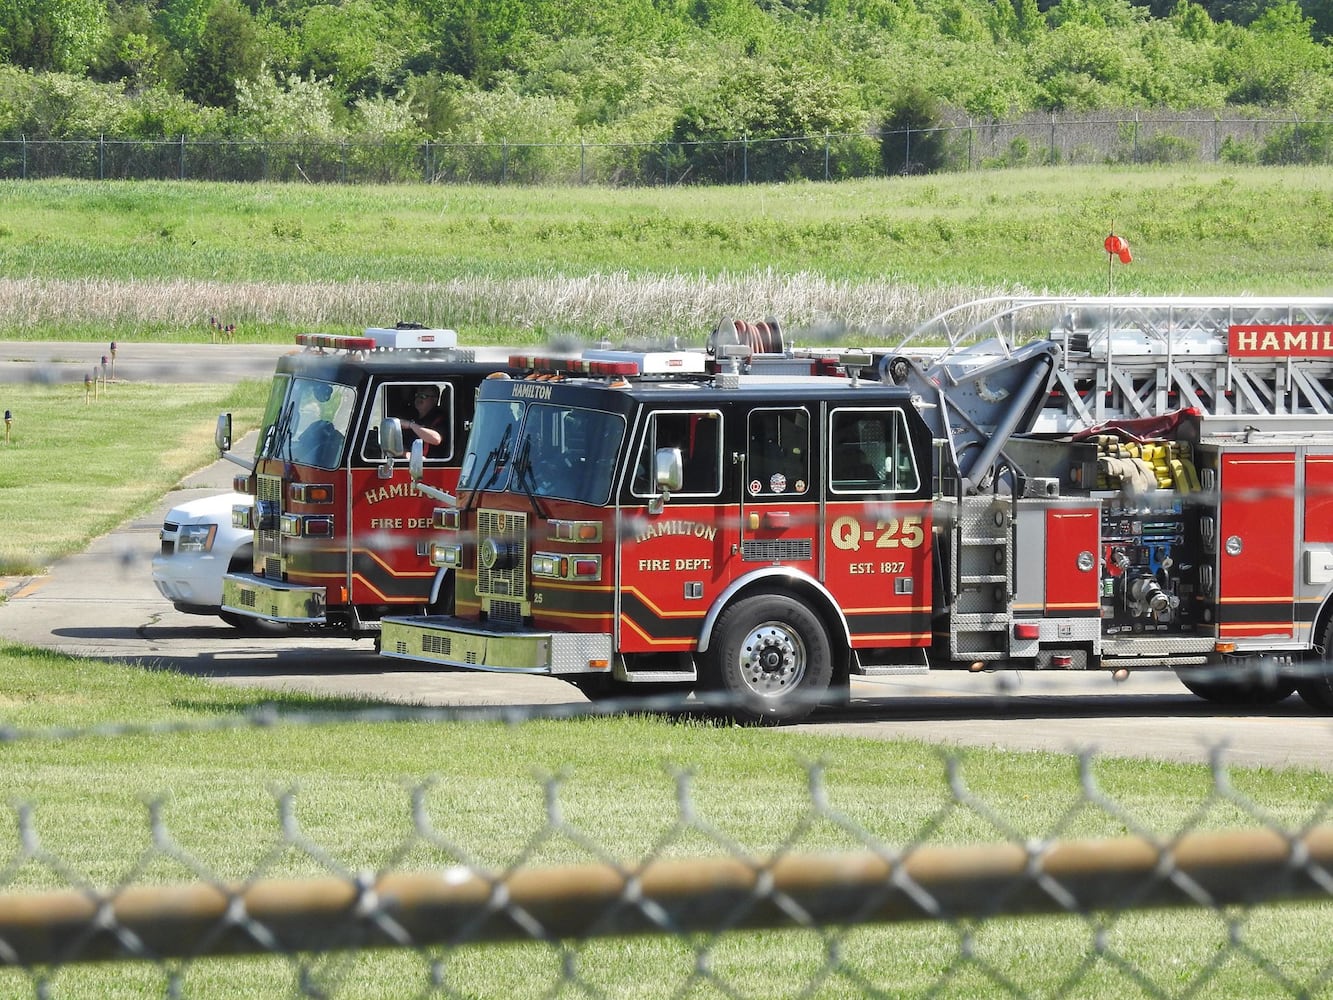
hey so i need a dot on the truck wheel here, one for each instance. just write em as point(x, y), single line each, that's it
point(594, 687)
point(771, 654)
point(444, 601)
point(603, 687)
point(242, 561)
point(1316, 684)
point(252, 626)
point(1249, 687)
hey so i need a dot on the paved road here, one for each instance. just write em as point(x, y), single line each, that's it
point(102, 603)
point(51, 361)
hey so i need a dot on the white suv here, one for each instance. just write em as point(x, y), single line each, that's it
point(199, 547)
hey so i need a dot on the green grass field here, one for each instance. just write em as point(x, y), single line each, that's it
point(132, 261)
point(85, 745)
point(152, 736)
point(77, 464)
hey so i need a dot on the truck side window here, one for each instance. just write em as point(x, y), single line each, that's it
point(398, 399)
point(777, 460)
point(870, 452)
point(698, 435)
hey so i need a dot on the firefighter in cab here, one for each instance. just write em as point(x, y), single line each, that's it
point(427, 422)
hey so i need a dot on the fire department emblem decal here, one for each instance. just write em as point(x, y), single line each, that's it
point(777, 483)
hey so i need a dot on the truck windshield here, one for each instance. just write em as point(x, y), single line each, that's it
point(543, 450)
point(306, 422)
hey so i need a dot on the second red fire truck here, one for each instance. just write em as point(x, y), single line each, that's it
point(1102, 484)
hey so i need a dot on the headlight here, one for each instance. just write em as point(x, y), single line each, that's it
point(446, 554)
point(196, 537)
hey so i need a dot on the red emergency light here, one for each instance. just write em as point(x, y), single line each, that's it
point(335, 342)
point(547, 365)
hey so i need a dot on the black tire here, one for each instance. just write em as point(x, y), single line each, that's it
point(594, 687)
point(444, 602)
point(252, 626)
point(1315, 685)
point(771, 654)
point(604, 687)
point(1249, 686)
point(242, 561)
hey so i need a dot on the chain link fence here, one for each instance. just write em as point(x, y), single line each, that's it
point(955, 145)
point(1226, 899)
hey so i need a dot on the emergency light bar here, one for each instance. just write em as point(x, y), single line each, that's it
point(335, 342)
point(546, 365)
point(608, 362)
point(380, 338)
point(656, 362)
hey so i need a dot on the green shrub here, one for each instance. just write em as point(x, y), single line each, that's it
point(1159, 148)
point(912, 138)
point(1299, 142)
point(1238, 151)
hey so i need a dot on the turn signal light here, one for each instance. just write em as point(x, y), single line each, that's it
point(311, 492)
point(576, 531)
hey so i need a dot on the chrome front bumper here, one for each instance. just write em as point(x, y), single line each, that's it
point(260, 598)
point(457, 643)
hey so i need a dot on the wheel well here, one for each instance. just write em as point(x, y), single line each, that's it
point(819, 603)
point(440, 600)
point(1320, 625)
point(242, 559)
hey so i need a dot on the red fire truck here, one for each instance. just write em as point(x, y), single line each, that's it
point(1068, 484)
point(335, 517)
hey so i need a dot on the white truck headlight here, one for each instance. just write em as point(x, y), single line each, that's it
point(196, 537)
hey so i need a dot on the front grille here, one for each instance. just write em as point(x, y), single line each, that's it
point(508, 580)
point(269, 490)
point(506, 614)
point(440, 645)
point(778, 550)
point(170, 529)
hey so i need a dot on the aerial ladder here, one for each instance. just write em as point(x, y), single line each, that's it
point(1255, 361)
point(991, 370)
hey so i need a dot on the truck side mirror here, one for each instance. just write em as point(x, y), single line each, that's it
point(669, 469)
point(416, 465)
point(391, 438)
point(222, 433)
point(416, 461)
point(391, 445)
point(668, 473)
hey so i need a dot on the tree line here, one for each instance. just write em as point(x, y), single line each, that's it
point(636, 71)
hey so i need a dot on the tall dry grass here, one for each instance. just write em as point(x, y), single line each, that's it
point(616, 305)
